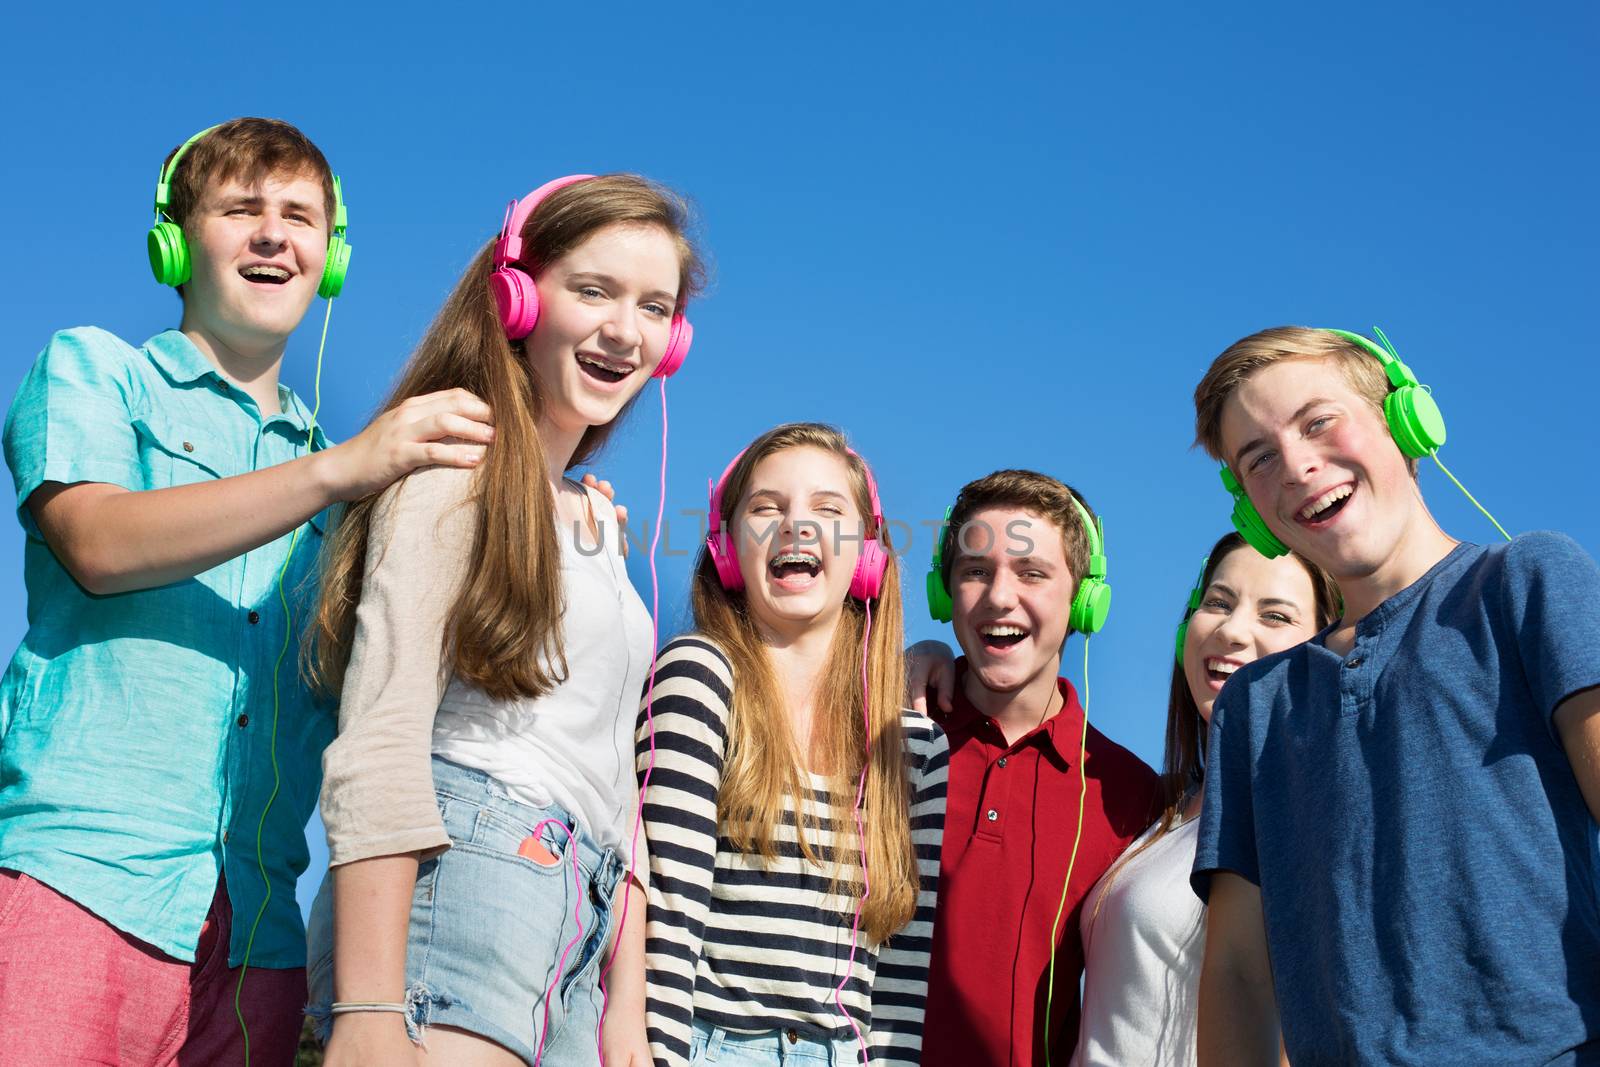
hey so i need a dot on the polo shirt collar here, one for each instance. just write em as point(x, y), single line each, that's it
point(1060, 730)
point(179, 359)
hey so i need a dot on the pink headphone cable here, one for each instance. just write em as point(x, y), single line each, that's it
point(552, 987)
point(861, 837)
point(649, 716)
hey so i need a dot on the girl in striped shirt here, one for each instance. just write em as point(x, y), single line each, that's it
point(766, 939)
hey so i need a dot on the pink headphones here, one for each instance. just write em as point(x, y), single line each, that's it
point(865, 582)
point(516, 296)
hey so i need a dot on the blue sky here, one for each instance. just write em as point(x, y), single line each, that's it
point(1012, 236)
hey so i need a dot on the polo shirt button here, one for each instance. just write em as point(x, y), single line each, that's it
point(188, 446)
point(1353, 662)
point(1002, 761)
point(244, 720)
point(791, 1035)
point(992, 815)
point(254, 617)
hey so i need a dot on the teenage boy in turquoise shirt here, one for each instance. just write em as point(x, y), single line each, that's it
point(159, 755)
point(1399, 840)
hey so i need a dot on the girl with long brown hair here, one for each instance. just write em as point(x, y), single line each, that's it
point(1143, 926)
point(489, 650)
point(794, 809)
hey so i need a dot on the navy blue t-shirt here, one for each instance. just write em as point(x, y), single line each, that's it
point(1429, 872)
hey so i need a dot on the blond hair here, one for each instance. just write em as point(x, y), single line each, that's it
point(1241, 360)
point(504, 630)
point(763, 776)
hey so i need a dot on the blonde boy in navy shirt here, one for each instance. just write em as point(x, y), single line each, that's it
point(157, 764)
point(1399, 842)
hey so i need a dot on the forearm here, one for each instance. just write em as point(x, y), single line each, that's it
point(624, 1032)
point(371, 918)
point(114, 540)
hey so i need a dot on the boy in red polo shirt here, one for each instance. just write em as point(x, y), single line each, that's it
point(1018, 563)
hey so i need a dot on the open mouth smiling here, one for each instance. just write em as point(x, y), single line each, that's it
point(794, 570)
point(1326, 505)
point(602, 370)
point(265, 274)
point(999, 636)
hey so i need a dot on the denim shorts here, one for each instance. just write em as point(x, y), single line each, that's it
point(489, 927)
point(728, 1048)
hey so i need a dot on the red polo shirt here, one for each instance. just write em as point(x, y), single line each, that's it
point(1009, 822)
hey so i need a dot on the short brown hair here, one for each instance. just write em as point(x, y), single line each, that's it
point(1031, 491)
point(1241, 360)
point(247, 149)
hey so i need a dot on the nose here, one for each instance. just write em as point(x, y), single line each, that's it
point(1234, 630)
point(620, 329)
point(1300, 461)
point(270, 236)
point(1001, 592)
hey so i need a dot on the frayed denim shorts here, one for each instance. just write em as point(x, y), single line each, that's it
point(772, 1048)
point(489, 928)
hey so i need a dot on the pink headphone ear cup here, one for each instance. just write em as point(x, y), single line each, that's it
point(725, 559)
point(871, 566)
point(516, 298)
point(677, 348)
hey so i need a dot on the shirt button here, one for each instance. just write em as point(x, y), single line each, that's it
point(188, 446)
point(224, 837)
point(254, 617)
point(244, 720)
point(1353, 662)
point(1002, 761)
point(791, 1035)
point(992, 815)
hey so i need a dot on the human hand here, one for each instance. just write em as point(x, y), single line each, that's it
point(609, 491)
point(370, 1039)
point(450, 428)
point(929, 664)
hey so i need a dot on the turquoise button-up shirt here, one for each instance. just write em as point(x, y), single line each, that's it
point(140, 738)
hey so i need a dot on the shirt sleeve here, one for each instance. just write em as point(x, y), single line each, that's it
point(900, 985)
point(377, 787)
point(683, 733)
point(1227, 839)
point(72, 418)
point(1552, 590)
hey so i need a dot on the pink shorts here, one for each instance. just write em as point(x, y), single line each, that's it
point(75, 990)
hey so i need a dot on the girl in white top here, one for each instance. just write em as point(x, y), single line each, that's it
point(489, 650)
point(1143, 927)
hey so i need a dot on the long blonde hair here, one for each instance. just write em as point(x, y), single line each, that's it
point(503, 634)
point(763, 775)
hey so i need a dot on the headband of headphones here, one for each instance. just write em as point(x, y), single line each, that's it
point(516, 295)
point(865, 582)
point(1195, 596)
point(1091, 602)
point(1414, 421)
point(168, 248)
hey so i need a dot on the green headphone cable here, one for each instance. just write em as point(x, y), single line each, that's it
point(277, 778)
point(1083, 796)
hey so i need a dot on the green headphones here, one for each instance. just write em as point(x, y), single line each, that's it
point(1195, 596)
point(169, 251)
point(1414, 421)
point(1090, 604)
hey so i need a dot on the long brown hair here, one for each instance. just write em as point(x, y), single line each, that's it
point(1183, 766)
point(763, 774)
point(504, 631)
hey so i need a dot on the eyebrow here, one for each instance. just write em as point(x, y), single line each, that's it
point(1228, 589)
point(1259, 442)
point(256, 200)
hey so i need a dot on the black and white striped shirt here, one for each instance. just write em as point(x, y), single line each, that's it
point(752, 946)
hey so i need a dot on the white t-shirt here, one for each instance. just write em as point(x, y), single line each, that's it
point(1142, 957)
point(574, 745)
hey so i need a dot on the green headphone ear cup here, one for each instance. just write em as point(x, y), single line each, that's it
point(1183, 632)
point(940, 606)
point(334, 268)
point(1253, 528)
point(1414, 420)
point(1090, 606)
point(169, 253)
